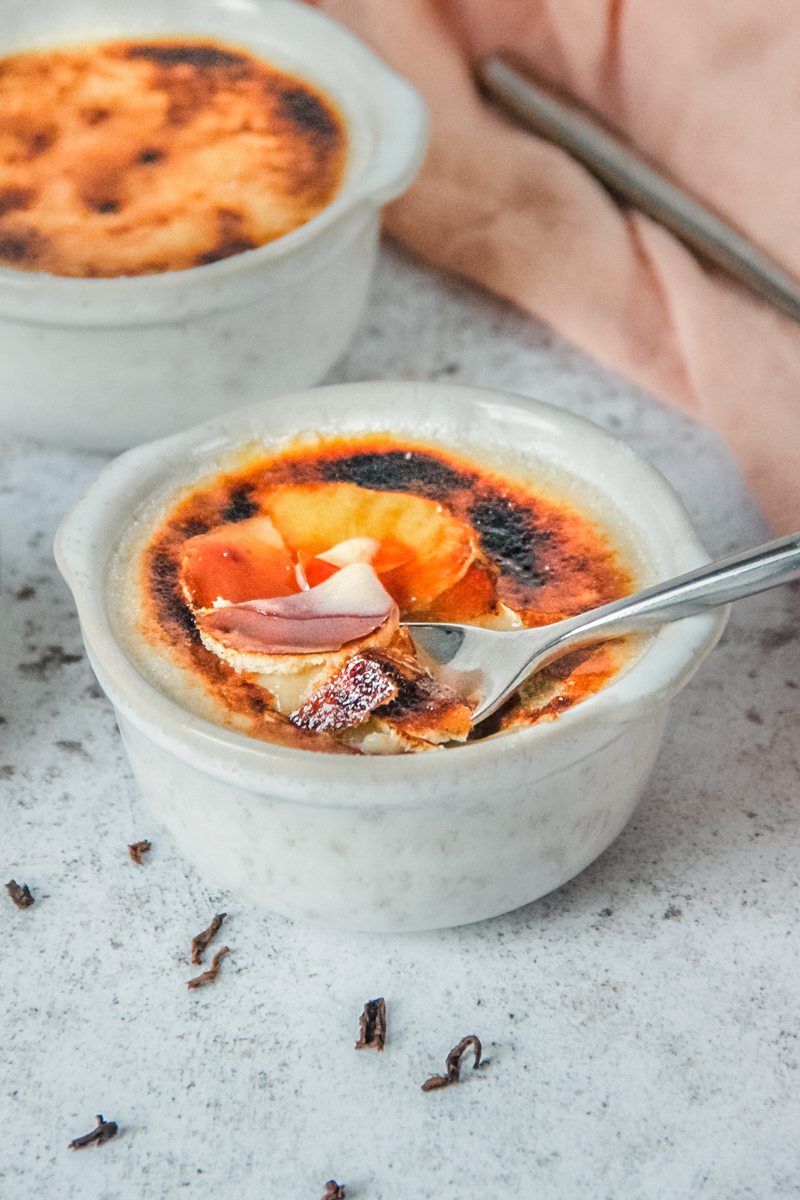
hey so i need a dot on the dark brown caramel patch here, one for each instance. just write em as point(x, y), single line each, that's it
point(423, 708)
point(188, 54)
point(511, 538)
point(14, 198)
point(308, 113)
point(416, 471)
point(139, 157)
point(94, 115)
point(230, 238)
point(104, 206)
point(35, 141)
point(21, 248)
point(173, 611)
point(240, 506)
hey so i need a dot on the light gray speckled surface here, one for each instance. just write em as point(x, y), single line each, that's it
point(642, 1023)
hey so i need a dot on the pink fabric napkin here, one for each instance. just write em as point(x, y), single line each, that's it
point(708, 88)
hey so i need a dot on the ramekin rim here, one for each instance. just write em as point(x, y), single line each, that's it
point(134, 694)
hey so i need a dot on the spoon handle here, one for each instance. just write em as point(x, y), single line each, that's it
point(741, 574)
point(626, 173)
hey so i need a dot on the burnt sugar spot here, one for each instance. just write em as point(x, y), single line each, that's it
point(12, 199)
point(37, 141)
point(192, 75)
point(186, 102)
point(397, 471)
point(509, 537)
point(95, 114)
point(257, 702)
point(163, 571)
point(193, 527)
point(231, 238)
point(240, 505)
point(188, 54)
point(225, 250)
point(308, 113)
point(21, 246)
point(104, 207)
point(150, 155)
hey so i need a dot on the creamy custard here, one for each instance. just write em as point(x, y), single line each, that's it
point(137, 157)
point(449, 540)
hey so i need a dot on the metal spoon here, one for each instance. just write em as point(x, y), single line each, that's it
point(491, 665)
point(627, 173)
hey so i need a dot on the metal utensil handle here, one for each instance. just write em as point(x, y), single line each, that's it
point(731, 578)
point(626, 173)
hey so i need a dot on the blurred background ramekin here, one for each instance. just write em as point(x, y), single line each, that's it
point(103, 364)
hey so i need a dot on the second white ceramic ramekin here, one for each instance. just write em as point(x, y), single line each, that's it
point(103, 364)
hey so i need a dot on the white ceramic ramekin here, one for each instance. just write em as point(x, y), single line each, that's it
point(102, 364)
point(406, 842)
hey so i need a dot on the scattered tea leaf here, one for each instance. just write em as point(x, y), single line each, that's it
point(137, 849)
point(200, 943)
point(50, 660)
point(372, 1025)
point(453, 1064)
point(212, 972)
point(20, 893)
point(102, 1132)
point(334, 1190)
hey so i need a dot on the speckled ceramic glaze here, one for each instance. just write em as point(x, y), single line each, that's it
point(102, 364)
point(407, 842)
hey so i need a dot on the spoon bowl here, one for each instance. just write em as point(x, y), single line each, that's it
point(486, 666)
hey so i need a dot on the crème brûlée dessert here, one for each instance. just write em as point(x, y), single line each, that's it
point(270, 596)
point(143, 156)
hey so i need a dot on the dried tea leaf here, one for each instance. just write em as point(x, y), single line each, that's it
point(211, 974)
point(102, 1132)
point(19, 893)
point(200, 943)
point(453, 1064)
point(372, 1025)
point(137, 849)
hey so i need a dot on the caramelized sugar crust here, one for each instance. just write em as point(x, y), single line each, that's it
point(542, 558)
point(132, 158)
